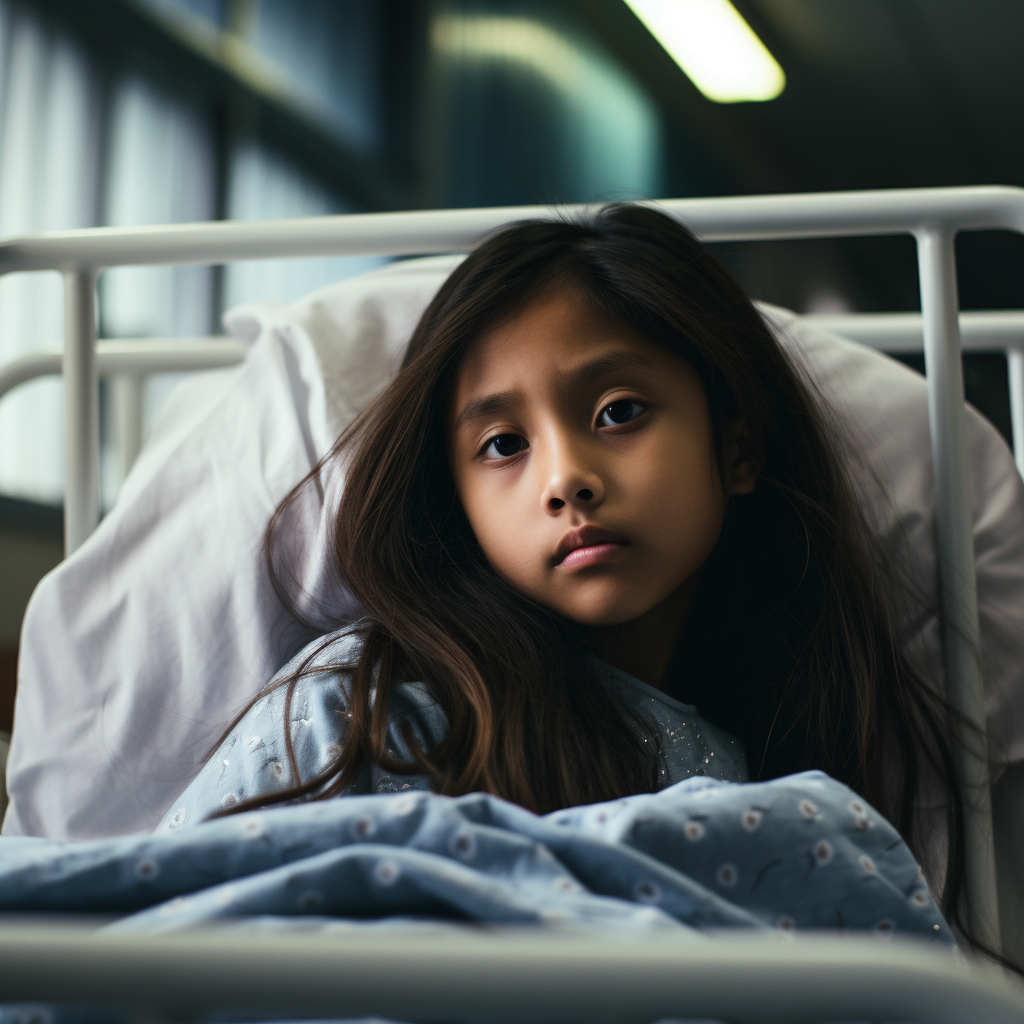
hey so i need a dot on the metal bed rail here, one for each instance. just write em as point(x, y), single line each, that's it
point(931, 216)
point(996, 331)
point(512, 975)
point(127, 362)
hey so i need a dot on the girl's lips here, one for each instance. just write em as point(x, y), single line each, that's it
point(590, 555)
point(588, 536)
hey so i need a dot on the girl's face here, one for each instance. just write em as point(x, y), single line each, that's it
point(585, 461)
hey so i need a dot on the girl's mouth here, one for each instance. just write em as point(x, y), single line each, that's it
point(590, 555)
point(587, 545)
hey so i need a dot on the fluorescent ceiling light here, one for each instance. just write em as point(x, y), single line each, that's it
point(513, 39)
point(716, 48)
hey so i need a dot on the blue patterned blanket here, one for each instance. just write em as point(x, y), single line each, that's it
point(800, 852)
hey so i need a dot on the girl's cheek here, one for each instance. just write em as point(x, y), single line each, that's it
point(497, 529)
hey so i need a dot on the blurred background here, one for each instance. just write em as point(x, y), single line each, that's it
point(125, 112)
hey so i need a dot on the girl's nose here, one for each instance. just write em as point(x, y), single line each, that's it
point(572, 483)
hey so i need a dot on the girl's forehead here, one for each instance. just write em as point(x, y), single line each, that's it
point(549, 335)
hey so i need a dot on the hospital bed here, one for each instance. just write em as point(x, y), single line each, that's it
point(510, 976)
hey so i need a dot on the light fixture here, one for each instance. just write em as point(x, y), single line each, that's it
point(716, 48)
point(520, 40)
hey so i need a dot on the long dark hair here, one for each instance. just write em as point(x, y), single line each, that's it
point(791, 644)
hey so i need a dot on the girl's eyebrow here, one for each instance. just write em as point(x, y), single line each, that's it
point(607, 363)
point(488, 405)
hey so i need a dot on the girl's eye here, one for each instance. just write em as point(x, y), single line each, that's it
point(501, 446)
point(617, 413)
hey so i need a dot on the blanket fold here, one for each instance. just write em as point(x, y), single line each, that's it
point(801, 852)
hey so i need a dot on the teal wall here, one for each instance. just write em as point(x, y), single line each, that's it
point(529, 108)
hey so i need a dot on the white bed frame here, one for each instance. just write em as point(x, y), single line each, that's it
point(701, 980)
point(510, 975)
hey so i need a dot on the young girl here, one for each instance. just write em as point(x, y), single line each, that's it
point(597, 497)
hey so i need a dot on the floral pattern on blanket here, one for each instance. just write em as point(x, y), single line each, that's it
point(793, 853)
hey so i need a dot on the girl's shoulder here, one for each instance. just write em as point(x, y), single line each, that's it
point(325, 668)
point(316, 682)
point(309, 702)
point(336, 652)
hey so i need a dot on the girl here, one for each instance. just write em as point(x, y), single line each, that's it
point(597, 496)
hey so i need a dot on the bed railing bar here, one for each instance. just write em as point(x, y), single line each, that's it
point(141, 356)
point(958, 588)
point(996, 331)
point(733, 218)
point(127, 392)
point(1015, 373)
point(25, 368)
point(168, 355)
point(932, 215)
point(503, 976)
point(81, 409)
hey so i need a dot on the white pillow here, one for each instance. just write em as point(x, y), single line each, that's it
point(138, 649)
point(884, 407)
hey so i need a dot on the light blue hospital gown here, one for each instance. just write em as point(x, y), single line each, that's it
point(252, 760)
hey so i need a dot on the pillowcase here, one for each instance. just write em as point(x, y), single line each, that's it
point(883, 407)
point(139, 649)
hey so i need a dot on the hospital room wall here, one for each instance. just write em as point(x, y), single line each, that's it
point(529, 108)
point(84, 141)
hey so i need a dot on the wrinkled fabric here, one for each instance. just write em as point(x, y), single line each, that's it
point(792, 853)
point(253, 759)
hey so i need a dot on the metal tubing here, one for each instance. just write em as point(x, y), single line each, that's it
point(143, 356)
point(26, 368)
point(530, 975)
point(167, 355)
point(958, 586)
point(128, 361)
point(81, 406)
point(814, 215)
point(127, 402)
point(1015, 372)
point(903, 332)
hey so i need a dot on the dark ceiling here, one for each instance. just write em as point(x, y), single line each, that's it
point(894, 93)
point(879, 94)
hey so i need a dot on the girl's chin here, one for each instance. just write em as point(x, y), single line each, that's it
point(599, 606)
point(600, 618)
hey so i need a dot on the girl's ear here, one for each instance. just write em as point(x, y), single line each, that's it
point(743, 461)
